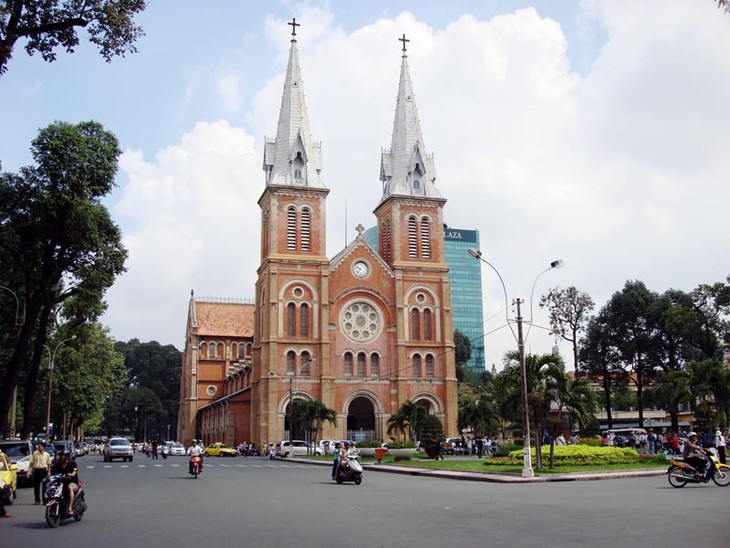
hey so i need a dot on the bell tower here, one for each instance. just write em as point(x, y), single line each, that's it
point(291, 289)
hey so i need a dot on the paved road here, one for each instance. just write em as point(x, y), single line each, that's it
point(255, 502)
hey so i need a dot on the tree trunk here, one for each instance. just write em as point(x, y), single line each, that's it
point(607, 395)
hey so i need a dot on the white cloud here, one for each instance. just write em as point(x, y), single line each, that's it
point(619, 170)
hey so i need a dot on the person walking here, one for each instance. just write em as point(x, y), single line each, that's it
point(40, 467)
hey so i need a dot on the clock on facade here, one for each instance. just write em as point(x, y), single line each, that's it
point(361, 269)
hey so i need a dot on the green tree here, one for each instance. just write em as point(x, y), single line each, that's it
point(568, 312)
point(462, 349)
point(309, 416)
point(671, 391)
point(710, 387)
point(153, 366)
point(408, 420)
point(58, 245)
point(109, 25)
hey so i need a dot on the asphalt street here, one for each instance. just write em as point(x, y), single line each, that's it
point(256, 502)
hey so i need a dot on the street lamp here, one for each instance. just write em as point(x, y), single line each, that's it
point(51, 363)
point(527, 471)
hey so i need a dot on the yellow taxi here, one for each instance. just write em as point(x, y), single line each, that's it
point(219, 449)
point(8, 479)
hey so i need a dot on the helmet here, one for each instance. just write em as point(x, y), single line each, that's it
point(195, 441)
point(692, 435)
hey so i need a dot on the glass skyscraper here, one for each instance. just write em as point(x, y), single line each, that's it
point(465, 275)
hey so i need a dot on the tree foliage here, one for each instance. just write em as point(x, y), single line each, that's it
point(59, 247)
point(568, 311)
point(50, 24)
point(409, 420)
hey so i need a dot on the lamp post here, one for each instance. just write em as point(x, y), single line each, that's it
point(527, 471)
point(51, 363)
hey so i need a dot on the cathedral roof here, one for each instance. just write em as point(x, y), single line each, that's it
point(292, 158)
point(406, 169)
point(224, 319)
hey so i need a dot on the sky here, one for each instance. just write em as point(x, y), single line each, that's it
point(592, 131)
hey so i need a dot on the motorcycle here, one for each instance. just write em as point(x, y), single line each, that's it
point(196, 465)
point(681, 473)
point(352, 471)
point(56, 501)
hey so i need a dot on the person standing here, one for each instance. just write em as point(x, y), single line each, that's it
point(720, 444)
point(154, 450)
point(336, 460)
point(40, 465)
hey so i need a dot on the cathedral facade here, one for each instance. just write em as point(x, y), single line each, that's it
point(362, 332)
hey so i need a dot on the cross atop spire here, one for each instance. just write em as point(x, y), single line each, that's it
point(294, 26)
point(404, 40)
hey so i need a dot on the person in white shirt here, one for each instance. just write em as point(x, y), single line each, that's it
point(720, 444)
point(195, 450)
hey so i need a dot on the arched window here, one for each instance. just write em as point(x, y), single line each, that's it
point(241, 351)
point(374, 365)
point(306, 226)
point(361, 368)
point(291, 362)
point(348, 364)
point(211, 350)
point(427, 325)
point(412, 238)
point(425, 238)
point(304, 320)
point(291, 319)
point(416, 365)
point(429, 365)
point(415, 324)
point(304, 360)
point(291, 228)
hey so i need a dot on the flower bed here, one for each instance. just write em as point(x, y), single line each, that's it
point(581, 454)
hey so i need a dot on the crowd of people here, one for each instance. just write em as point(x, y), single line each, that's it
point(666, 442)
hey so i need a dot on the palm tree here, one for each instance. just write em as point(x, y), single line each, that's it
point(409, 419)
point(571, 395)
point(310, 416)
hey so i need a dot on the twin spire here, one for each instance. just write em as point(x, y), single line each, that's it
point(293, 159)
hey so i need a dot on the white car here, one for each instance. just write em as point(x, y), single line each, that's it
point(176, 449)
point(298, 449)
point(118, 448)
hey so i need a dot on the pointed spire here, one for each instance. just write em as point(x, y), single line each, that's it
point(406, 169)
point(292, 158)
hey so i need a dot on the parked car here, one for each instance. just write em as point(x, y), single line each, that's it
point(219, 449)
point(16, 449)
point(118, 448)
point(298, 448)
point(8, 474)
point(64, 445)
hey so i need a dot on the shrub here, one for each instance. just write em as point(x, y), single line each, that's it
point(398, 444)
point(584, 454)
point(432, 430)
point(593, 442)
point(506, 448)
point(368, 443)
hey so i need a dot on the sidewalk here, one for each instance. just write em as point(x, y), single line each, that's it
point(490, 477)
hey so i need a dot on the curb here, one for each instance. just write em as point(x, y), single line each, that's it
point(486, 477)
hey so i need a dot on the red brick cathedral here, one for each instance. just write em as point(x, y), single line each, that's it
point(362, 332)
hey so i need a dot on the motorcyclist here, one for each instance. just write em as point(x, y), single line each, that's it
point(694, 455)
point(342, 462)
point(195, 450)
point(68, 467)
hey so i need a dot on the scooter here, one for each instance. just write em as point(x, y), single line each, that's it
point(56, 502)
point(196, 465)
point(352, 471)
point(681, 473)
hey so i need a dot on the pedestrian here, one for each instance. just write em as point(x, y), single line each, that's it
point(720, 444)
point(560, 440)
point(335, 460)
point(154, 450)
point(439, 450)
point(651, 441)
point(40, 467)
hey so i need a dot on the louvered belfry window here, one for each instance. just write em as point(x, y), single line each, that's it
point(417, 365)
point(425, 238)
point(412, 238)
point(291, 229)
point(415, 324)
point(427, 325)
point(306, 227)
point(304, 320)
point(291, 320)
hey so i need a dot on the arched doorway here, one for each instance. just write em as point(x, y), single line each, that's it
point(361, 420)
point(297, 433)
